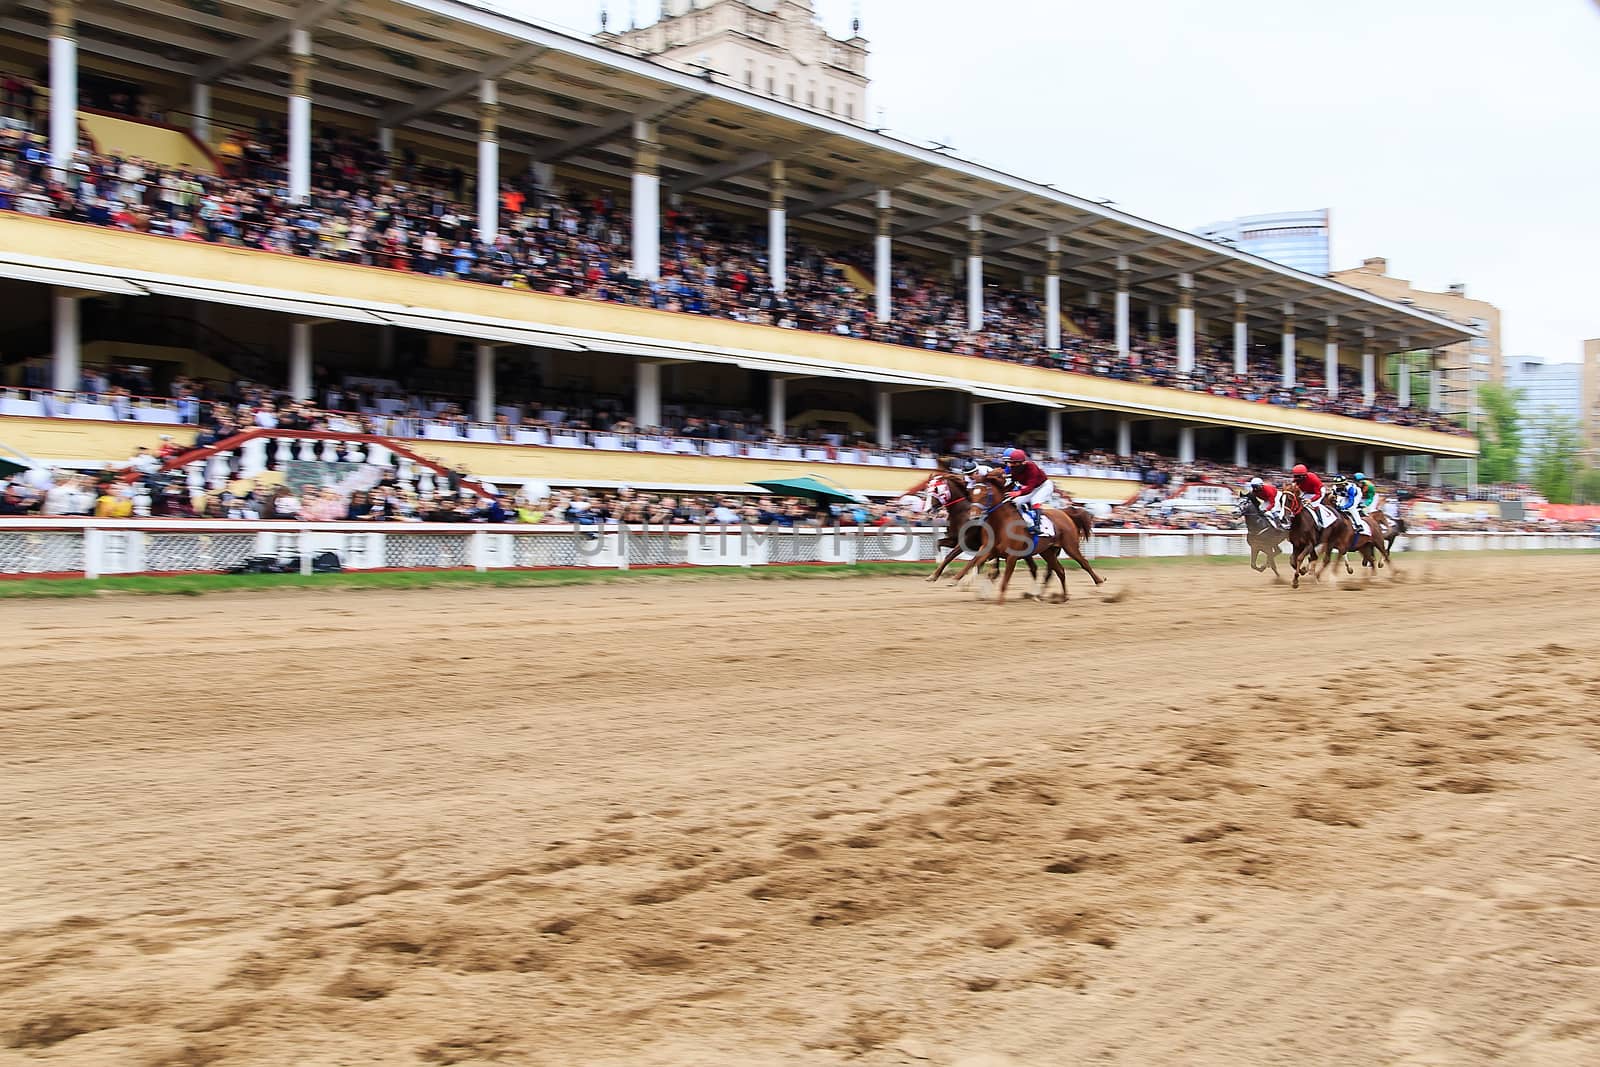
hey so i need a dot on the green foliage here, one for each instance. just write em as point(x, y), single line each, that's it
point(1558, 471)
point(1499, 433)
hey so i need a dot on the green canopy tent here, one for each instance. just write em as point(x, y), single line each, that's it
point(814, 489)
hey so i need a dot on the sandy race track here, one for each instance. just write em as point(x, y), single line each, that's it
point(809, 822)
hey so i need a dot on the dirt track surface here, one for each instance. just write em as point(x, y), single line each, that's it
point(859, 821)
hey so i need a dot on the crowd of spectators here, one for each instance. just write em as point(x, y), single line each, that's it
point(404, 214)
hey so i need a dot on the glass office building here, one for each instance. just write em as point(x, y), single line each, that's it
point(1296, 239)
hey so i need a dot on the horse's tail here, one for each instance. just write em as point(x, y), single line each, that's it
point(1082, 520)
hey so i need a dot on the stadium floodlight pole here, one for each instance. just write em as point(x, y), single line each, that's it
point(1241, 335)
point(1186, 329)
point(1288, 346)
point(1330, 359)
point(63, 83)
point(975, 272)
point(488, 161)
point(1052, 295)
point(1369, 367)
point(300, 63)
point(777, 229)
point(882, 277)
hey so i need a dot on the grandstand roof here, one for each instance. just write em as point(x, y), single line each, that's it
point(565, 98)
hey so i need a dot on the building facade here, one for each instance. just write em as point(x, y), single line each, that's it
point(1466, 365)
point(773, 47)
point(1591, 394)
point(1550, 391)
point(1297, 239)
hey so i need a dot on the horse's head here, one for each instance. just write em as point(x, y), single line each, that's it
point(1289, 502)
point(988, 490)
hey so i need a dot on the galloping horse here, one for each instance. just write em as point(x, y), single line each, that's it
point(1342, 536)
point(1261, 534)
point(1006, 534)
point(1304, 535)
point(949, 491)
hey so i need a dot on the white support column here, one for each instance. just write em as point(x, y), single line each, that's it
point(1152, 321)
point(974, 424)
point(1186, 328)
point(386, 141)
point(1330, 463)
point(1241, 336)
point(1124, 437)
point(65, 369)
point(300, 360)
point(200, 112)
point(1330, 359)
point(1186, 444)
point(1124, 328)
point(300, 63)
point(777, 398)
point(483, 410)
point(882, 276)
point(777, 229)
point(63, 83)
point(1241, 449)
point(1052, 294)
point(1435, 472)
point(646, 202)
point(1052, 432)
point(1288, 346)
point(488, 161)
point(647, 394)
point(1435, 383)
point(885, 417)
point(1288, 452)
point(1369, 463)
point(1403, 378)
point(1369, 367)
point(974, 273)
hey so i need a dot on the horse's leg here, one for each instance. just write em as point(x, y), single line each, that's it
point(1070, 544)
point(1052, 559)
point(1255, 550)
point(1011, 565)
point(1272, 561)
point(955, 550)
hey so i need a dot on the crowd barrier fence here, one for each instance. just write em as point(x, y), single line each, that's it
point(93, 548)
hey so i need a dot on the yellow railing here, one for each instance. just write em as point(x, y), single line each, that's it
point(217, 263)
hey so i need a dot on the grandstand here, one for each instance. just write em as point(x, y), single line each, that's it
point(430, 212)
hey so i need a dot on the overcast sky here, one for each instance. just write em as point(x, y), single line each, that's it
point(1458, 138)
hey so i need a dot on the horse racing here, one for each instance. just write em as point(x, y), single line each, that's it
point(561, 533)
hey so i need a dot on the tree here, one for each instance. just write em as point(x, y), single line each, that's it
point(1499, 433)
point(1557, 466)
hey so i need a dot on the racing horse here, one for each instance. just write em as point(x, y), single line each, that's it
point(1262, 534)
point(948, 490)
point(1343, 536)
point(1303, 532)
point(1006, 535)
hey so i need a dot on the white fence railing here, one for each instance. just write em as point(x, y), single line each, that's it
point(96, 547)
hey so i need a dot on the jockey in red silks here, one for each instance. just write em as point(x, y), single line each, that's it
point(1265, 493)
point(1310, 487)
point(1032, 488)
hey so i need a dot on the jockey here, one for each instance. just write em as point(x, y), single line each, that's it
point(1265, 493)
point(1310, 487)
point(1032, 487)
point(1368, 504)
point(1347, 498)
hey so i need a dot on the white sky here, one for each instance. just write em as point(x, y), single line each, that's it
point(1458, 138)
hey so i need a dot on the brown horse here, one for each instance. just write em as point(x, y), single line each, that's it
point(1304, 536)
point(1006, 535)
point(1340, 536)
point(949, 491)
